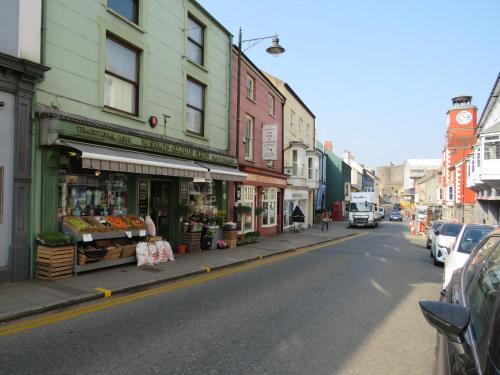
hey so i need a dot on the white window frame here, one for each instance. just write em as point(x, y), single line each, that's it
point(450, 193)
point(495, 139)
point(250, 87)
point(270, 105)
point(248, 199)
point(249, 130)
point(310, 168)
point(270, 199)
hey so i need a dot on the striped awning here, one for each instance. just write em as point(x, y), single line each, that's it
point(117, 160)
point(218, 172)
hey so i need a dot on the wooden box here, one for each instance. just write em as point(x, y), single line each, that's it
point(192, 241)
point(54, 262)
point(231, 238)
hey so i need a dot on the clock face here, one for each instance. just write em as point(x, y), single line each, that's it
point(464, 117)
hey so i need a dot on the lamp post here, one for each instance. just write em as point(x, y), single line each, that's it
point(275, 49)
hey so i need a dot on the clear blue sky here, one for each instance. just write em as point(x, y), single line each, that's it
point(378, 74)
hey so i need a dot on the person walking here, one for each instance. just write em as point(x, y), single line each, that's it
point(325, 218)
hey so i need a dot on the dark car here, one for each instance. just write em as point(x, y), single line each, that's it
point(396, 216)
point(397, 207)
point(468, 316)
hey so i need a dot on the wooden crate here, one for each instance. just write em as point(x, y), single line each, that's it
point(192, 241)
point(155, 238)
point(231, 238)
point(113, 253)
point(128, 250)
point(54, 262)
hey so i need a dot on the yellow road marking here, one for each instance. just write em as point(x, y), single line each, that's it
point(106, 292)
point(111, 302)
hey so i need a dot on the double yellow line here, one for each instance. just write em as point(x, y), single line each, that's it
point(115, 301)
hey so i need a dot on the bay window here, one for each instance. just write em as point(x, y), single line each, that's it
point(492, 148)
point(121, 87)
point(269, 204)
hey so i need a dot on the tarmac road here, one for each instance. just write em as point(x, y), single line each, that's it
point(350, 308)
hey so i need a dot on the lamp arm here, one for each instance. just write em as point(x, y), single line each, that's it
point(263, 38)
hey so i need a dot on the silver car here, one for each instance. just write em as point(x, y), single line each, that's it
point(445, 238)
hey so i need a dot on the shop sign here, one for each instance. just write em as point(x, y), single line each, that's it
point(93, 134)
point(265, 179)
point(296, 194)
point(269, 141)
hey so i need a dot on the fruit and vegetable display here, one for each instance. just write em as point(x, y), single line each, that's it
point(134, 221)
point(117, 222)
point(76, 223)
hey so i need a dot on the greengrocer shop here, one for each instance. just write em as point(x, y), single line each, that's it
point(94, 170)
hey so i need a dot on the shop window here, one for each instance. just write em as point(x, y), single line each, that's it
point(121, 87)
point(203, 198)
point(248, 199)
point(86, 194)
point(250, 88)
point(1, 194)
point(128, 9)
point(249, 138)
point(196, 40)
point(270, 105)
point(195, 107)
point(269, 203)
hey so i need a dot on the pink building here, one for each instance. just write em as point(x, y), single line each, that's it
point(259, 149)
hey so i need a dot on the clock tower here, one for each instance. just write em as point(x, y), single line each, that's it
point(462, 116)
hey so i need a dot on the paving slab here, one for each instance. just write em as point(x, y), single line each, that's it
point(29, 297)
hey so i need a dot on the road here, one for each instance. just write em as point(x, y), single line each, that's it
point(350, 308)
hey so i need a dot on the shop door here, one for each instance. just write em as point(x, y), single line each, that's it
point(162, 209)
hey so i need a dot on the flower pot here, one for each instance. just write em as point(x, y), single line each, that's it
point(181, 249)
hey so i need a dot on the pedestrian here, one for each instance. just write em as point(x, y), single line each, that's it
point(325, 218)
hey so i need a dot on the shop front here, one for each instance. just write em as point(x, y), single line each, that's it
point(109, 176)
point(296, 198)
point(260, 201)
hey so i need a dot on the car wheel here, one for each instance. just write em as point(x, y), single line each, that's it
point(428, 246)
point(435, 261)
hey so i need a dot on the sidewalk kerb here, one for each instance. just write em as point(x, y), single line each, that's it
point(151, 283)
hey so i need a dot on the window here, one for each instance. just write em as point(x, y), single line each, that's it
point(491, 148)
point(270, 105)
point(450, 193)
point(295, 162)
point(478, 158)
point(301, 125)
point(316, 169)
point(249, 138)
point(310, 168)
point(269, 202)
point(292, 122)
point(195, 106)
point(126, 8)
point(248, 200)
point(308, 130)
point(195, 34)
point(250, 88)
point(483, 281)
point(121, 87)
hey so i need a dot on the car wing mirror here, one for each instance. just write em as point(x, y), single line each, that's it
point(436, 232)
point(449, 319)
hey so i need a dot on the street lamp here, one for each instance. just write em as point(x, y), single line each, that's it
point(275, 49)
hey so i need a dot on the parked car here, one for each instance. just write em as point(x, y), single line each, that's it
point(467, 240)
point(444, 240)
point(468, 318)
point(431, 233)
point(397, 207)
point(381, 210)
point(396, 216)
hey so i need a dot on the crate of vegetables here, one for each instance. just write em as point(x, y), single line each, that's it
point(134, 221)
point(117, 222)
point(94, 224)
point(76, 224)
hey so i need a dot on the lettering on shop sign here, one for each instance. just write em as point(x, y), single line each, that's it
point(145, 144)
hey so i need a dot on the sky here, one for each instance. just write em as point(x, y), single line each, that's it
point(378, 74)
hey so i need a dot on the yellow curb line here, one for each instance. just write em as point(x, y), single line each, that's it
point(108, 303)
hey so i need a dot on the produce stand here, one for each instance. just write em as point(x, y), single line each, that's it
point(114, 254)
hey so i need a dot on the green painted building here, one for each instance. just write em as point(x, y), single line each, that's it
point(133, 116)
point(338, 177)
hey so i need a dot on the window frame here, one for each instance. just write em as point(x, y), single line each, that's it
point(310, 168)
point(190, 40)
point(252, 90)
point(203, 87)
point(136, 18)
point(249, 140)
point(270, 105)
point(138, 52)
point(270, 196)
point(492, 141)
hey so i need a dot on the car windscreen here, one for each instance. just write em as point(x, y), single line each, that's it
point(360, 207)
point(451, 230)
point(471, 237)
point(436, 225)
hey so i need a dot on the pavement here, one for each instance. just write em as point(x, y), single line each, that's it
point(25, 298)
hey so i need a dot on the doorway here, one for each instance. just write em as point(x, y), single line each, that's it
point(163, 206)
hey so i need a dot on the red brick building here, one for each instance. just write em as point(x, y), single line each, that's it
point(457, 199)
point(259, 149)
